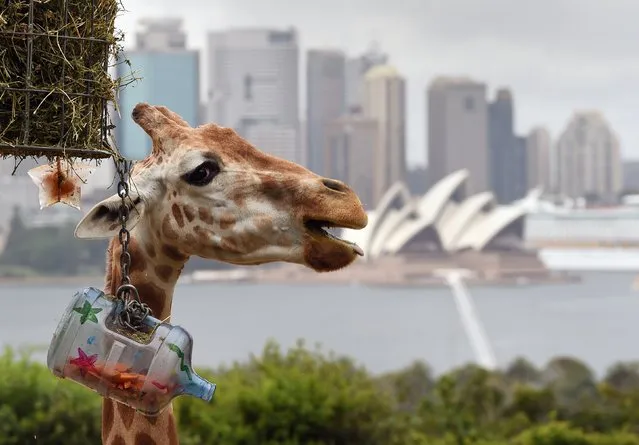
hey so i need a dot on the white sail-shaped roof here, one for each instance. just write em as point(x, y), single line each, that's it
point(484, 230)
point(462, 218)
point(470, 224)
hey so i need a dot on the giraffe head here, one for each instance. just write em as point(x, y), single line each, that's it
point(207, 192)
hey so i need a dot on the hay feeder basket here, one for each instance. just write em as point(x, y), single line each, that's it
point(54, 82)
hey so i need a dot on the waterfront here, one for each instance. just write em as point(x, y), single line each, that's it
point(383, 328)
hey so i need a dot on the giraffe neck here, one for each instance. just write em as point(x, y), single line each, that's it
point(154, 271)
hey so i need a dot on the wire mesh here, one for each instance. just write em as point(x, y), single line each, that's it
point(55, 87)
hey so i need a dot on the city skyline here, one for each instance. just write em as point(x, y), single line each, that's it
point(572, 69)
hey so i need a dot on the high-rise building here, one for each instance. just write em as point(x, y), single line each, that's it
point(355, 72)
point(169, 76)
point(458, 131)
point(350, 146)
point(538, 159)
point(385, 102)
point(253, 87)
point(303, 130)
point(202, 114)
point(325, 86)
point(507, 171)
point(589, 159)
point(519, 165)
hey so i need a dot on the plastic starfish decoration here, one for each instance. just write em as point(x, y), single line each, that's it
point(60, 181)
point(85, 362)
point(88, 312)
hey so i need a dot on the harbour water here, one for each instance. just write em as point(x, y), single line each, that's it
point(382, 328)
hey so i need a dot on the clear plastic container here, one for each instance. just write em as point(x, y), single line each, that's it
point(144, 369)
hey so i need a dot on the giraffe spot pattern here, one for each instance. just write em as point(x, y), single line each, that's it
point(189, 213)
point(108, 414)
point(230, 246)
point(138, 262)
point(126, 415)
point(168, 230)
point(164, 272)
point(118, 440)
point(177, 214)
point(173, 254)
point(150, 250)
point(154, 296)
point(190, 239)
point(205, 215)
point(152, 419)
point(144, 439)
point(226, 221)
point(204, 236)
point(274, 190)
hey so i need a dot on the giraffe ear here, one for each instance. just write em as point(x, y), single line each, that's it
point(103, 220)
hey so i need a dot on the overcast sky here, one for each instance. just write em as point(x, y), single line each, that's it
point(556, 55)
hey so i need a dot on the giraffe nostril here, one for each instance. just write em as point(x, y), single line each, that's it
point(334, 185)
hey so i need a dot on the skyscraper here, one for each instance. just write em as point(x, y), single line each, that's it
point(458, 131)
point(350, 143)
point(385, 102)
point(538, 159)
point(507, 153)
point(253, 87)
point(325, 83)
point(355, 72)
point(588, 159)
point(170, 77)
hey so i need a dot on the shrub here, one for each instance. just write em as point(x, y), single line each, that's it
point(34, 404)
point(313, 398)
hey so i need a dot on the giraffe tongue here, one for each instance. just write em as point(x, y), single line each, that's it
point(327, 229)
point(358, 250)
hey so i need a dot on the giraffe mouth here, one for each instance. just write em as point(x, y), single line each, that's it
point(322, 229)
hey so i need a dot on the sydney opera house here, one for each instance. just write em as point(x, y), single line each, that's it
point(444, 220)
point(409, 239)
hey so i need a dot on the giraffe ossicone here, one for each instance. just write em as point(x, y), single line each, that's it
point(207, 192)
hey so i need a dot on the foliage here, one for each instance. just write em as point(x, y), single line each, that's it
point(34, 404)
point(300, 397)
point(305, 396)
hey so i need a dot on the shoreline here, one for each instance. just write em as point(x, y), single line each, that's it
point(257, 279)
point(90, 280)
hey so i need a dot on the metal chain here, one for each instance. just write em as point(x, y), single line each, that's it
point(134, 312)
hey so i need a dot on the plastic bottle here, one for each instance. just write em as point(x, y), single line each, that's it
point(144, 369)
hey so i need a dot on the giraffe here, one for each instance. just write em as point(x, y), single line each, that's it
point(207, 192)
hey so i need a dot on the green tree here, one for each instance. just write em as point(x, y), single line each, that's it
point(300, 397)
point(34, 404)
point(522, 371)
point(304, 396)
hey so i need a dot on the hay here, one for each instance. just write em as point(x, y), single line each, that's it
point(54, 80)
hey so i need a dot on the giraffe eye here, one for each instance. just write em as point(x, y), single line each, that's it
point(202, 174)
